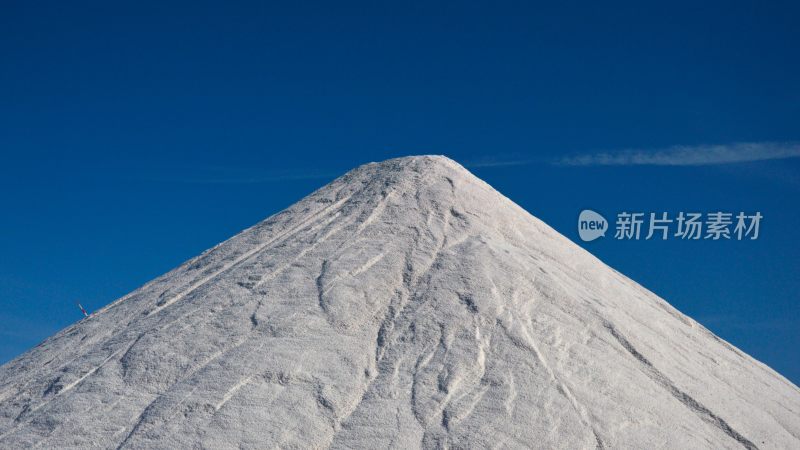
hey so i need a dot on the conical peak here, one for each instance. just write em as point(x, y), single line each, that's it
point(414, 166)
point(409, 297)
point(434, 175)
point(419, 161)
point(414, 173)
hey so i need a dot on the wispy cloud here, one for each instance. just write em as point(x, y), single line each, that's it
point(689, 155)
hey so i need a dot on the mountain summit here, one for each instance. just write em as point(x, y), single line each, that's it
point(406, 304)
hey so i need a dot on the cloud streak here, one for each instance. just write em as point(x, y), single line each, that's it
point(689, 155)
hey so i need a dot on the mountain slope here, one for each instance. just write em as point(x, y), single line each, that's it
point(406, 304)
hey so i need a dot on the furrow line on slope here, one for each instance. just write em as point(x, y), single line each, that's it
point(146, 305)
point(18, 421)
point(456, 393)
point(423, 360)
point(320, 290)
point(415, 281)
point(368, 265)
point(373, 375)
point(393, 313)
point(302, 253)
point(353, 273)
point(71, 385)
point(413, 292)
point(232, 391)
point(561, 386)
point(378, 210)
point(245, 256)
point(144, 414)
point(41, 370)
point(272, 274)
point(659, 378)
point(244, 381)
point(108, 408)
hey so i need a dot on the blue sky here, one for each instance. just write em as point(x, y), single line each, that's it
point(135, 135)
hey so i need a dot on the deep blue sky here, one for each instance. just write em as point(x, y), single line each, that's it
point(134, 135)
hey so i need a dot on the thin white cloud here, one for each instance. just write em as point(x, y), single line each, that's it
point(689, 155)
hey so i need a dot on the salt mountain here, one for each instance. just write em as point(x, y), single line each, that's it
point(406, 304)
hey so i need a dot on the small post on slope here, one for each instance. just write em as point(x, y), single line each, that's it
point(85, 314)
